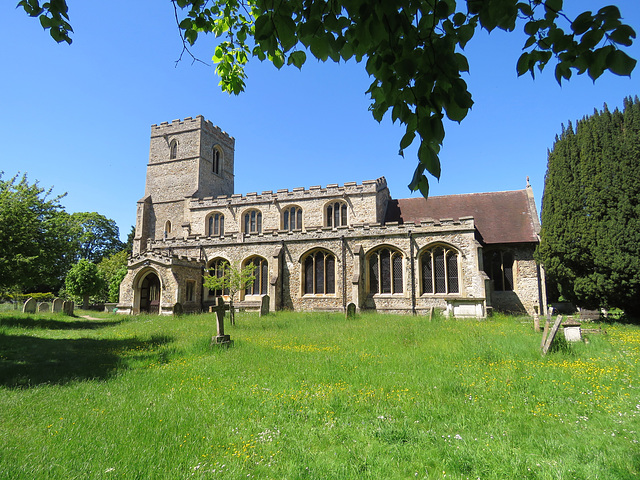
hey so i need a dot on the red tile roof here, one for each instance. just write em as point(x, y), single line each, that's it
point(500, 217)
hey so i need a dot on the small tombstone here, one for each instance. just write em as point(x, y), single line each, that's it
point(264, 306)
point(178, 309)
point(536, 322)
point(351, 310)
point(552, 335)
point(29, 306)
point(219, 309)
point(431, 310)
point(572, 330)
point(67, 307)
point(44, 307)
point(58, 303)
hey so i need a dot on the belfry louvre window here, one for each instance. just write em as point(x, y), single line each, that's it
point(439, 269)
point(499, 267)
point(319, 273)
point(336, 214)
point(261, 272)
point(173, 150)
point(253, 222)
point(217, 160)
point(216, 268)
point(215, 225)
point(292, 218)
point(385, 271)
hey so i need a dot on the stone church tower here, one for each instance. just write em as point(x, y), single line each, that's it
point(187, 159)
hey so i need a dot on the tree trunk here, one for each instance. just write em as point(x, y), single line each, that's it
point(85, 302)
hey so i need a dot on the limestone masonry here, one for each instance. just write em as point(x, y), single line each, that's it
point(321, 248)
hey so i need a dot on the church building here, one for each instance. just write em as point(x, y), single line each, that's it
point(321, 248)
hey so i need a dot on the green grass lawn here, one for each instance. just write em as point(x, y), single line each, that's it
point(313, 396)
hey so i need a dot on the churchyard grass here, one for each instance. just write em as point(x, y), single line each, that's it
point(313, 396)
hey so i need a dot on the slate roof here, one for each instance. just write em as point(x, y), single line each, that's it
point(499, 217)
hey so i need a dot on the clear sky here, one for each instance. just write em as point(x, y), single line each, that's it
point(78, 117)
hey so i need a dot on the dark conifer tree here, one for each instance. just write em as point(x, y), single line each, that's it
point(590, 239)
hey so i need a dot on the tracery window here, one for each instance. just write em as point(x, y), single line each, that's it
point(173, 150)
point(499, 267)
point(217, 160)
point(216, 268)
point(385, 271)
point(261, 272)
point(439, 270)
point(252, 221)
point(292, 218)
point(336, 214)
point(319, 273)
point(215, 225)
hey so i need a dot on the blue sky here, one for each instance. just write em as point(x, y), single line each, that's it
point(78, 117)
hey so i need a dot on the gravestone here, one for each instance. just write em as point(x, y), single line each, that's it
point(264, 306)
point(177, 309)
point(536, 322)
point(29, 306)
point(58, 303)
point(221, 338)
point(67, 307)
point(431, 309)
point(44, 307)
point(552, 335)
point(572, 330)
point(351, 310)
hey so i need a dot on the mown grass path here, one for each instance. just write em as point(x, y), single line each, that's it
point(313, 396)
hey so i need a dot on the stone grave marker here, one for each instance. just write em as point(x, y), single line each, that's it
point(58, 303)
point(177, 309)
point(572, 330)
point(29, 306)
point(67, 307)
point(351, 310)
point(552, 335)
point(431, 309)
point(219, 309)
point(44, 307)
point(536, 322)
point(264, 306)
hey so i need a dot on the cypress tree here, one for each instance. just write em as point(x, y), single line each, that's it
point(590, 238)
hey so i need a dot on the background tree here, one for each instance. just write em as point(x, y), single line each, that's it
point(413, 50)
point(590, 238)
point(84, 280)
point(35, 235)
point(97, 236)
point(229, 280)
point(113, 269)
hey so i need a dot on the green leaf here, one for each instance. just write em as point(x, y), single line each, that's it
point(620, 63)
point(582, 23)
point(297, 58)
point(407, 140)
point(429, 159)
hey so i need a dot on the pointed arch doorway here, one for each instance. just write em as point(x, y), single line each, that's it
point(150, 294)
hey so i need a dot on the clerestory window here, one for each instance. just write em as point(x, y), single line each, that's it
point(385, 271)
point(498, 266)
point(319, 273)
point(252, 221)
point(215, 225)
point(439, 270)
point(336, 214)
point(292, 218)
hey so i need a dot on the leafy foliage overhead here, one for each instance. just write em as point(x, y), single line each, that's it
point(413, 49)
point(590, 238)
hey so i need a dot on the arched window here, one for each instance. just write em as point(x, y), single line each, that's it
point(439, 270)
point(216, 268)
point(167, 229)
point(215, 225)
point(173, 150)
point(385, 271)
point(252, 221)
point(292, 218)
point(498, 266)
point(261, 272)
point(217, 159)
point(336, 214)
point(319, 273)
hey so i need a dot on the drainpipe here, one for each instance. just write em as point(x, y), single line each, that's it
point(413, 274)
point(344, 273)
